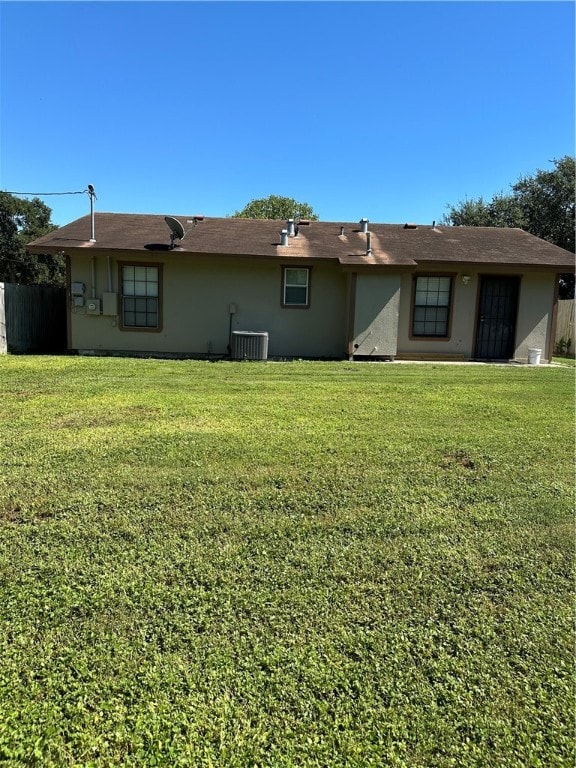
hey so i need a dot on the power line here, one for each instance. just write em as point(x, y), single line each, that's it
point(47, 194)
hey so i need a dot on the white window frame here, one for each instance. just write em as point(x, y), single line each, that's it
point(288, 283)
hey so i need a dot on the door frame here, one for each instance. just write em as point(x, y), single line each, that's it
point(481, 278)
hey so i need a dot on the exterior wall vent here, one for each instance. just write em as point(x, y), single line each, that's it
point(248, 345)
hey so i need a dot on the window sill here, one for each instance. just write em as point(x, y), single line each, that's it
point(429, 338)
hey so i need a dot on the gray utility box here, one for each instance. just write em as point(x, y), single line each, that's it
point(109, 303)
point(249, 345)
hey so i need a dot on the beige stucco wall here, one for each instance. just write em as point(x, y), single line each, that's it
point(534, 313)
point(535, 304)
point(197, 294)
point(460, 341)
point(376, 307)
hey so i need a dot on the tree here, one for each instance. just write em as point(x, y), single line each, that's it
point(542, 204)
point(275, 207)
point(501, 211)
point(547, 203)
point(22, 221)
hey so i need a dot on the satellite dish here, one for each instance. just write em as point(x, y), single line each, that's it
point(176, 229)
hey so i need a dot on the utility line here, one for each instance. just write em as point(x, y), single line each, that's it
point(46, 194)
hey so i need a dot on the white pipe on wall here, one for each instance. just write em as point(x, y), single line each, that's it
point(93, 277)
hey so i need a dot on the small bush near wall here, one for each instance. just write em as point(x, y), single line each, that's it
point(565, 328)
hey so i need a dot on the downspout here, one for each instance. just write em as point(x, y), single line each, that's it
point(93, 276)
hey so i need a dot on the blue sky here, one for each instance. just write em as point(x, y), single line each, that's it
point(389, 110)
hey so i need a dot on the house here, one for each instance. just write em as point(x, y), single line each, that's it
point(196, 286)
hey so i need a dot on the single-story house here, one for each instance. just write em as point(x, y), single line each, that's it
point(195, 286)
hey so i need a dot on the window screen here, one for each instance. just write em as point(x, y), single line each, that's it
point(296, 286)
point(140, 296)
point(431, 306)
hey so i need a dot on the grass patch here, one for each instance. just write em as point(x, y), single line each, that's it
point(570, 361)
point(285, 565)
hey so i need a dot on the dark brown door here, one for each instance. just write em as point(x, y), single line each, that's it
point(496, 327)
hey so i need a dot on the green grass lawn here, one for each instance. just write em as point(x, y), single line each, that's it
point(564, 361)
point(285, 565)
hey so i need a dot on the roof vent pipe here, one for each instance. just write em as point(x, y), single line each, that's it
point(341, 231)
point(291, 230)
point(284, 237)
point(92, 195)
point(368, 243)
point(364, 226)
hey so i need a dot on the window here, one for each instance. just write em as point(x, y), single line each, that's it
point(140, 296)
point(431, 310)
point(296, 287)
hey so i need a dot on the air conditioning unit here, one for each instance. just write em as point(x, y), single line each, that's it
point(248, 345)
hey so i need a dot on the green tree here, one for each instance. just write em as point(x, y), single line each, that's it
point(501, 211)
point(542, 204)
point(547, 203)
point(22, 221)
point(276, 207)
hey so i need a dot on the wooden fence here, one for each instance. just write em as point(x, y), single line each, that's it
point(3, 339)
point(32, 319)
point(565, 326)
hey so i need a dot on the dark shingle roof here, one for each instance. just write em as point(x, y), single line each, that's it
point(393, 245)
